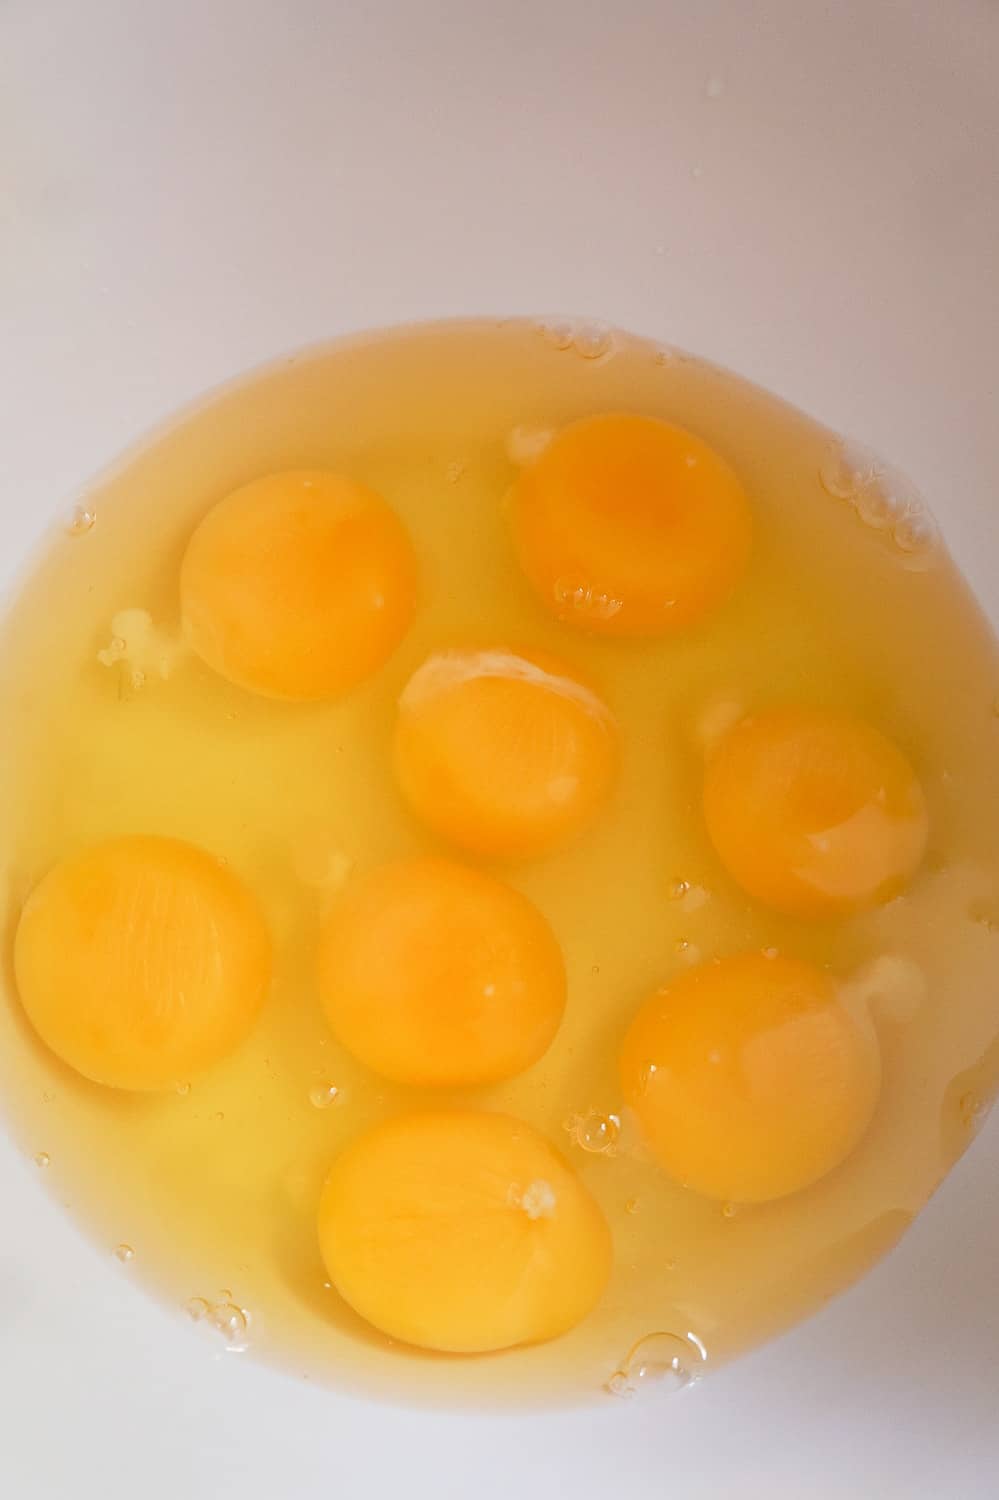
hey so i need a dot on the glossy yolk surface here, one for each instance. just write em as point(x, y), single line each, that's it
point(628, 526)
point(502, 752)
point(749, 1078)
point(431, 973)
point(298, 585)
point(141, 961)
point(814, 813)
point(463, 1231)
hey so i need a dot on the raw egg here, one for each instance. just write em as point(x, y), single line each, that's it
point(141, 961)
point(462, 1231)
point(298, 585)
point(628, 526)
point(503, 752)
point(436, 974)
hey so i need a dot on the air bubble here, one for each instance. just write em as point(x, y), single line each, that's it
point(592, 341)
point(729, 1210)
point(594, 1132)
point(225, 1317)
point(882, 497)
point(914, 532)
point(659, 1362)
point(686, 951)
point(454, 472)
point(574, 596)
point(687, 894)
point(631, 1207)
point(322, 1095)
point(588, 340)
point(697, 173)
point(82, 520)
point(874, 506)
point(714, 86)
point(183, 1089)
point(557, 334)
point(42, 1159)
point(124, 1253)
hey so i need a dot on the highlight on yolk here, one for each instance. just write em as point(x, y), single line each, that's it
point(431, 973)
point(463, 1232)
point(628, 526)
point(503, 752)
point(750, 1079)
point(298, 585)
point(141, 961)
point(814, 812)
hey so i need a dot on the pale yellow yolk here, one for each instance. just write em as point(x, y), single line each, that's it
point(502, 752)
point(628, 526)
point(431, 973)
point(464, 1232)
point(813, 812)
point(141, 961)
point(298, 585)
point(749, 1078)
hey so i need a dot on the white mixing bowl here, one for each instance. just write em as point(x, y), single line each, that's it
point(803, 191)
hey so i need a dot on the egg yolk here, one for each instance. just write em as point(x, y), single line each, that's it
point(628, 526)
point(814, 813)
point(431, 973)
point(464, 1232)
point(749, 1078)
point(141, 961)
point(298, 585)
point(501, 752)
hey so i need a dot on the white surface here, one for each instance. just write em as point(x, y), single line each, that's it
point(803, 191)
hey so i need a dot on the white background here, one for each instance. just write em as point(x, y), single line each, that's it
point(803, 191)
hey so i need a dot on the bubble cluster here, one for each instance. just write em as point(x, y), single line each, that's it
point(882, 498)
point(588, 340)
point(574, 596)
point(660, 1362)
point(81, 521)
point(594, 1132)
point(224, 1316)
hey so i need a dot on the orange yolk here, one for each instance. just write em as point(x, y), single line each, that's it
point(431, 973)
point(502, 752)
point(141, 961)
point(464, 1232)
point(814, 813)
point(628, 526)
point(749, 1078)
point(298, 585)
